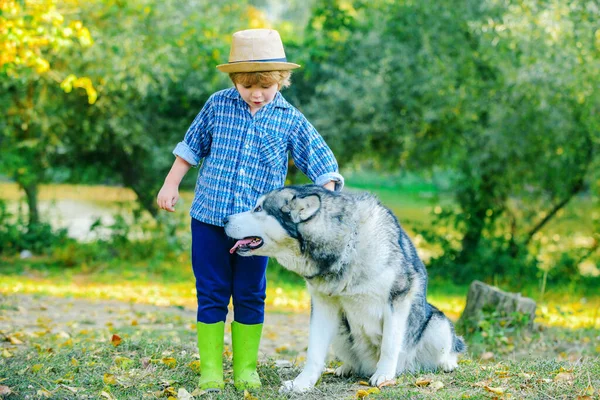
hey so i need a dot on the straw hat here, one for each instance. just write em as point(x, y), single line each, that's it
point(255, 50)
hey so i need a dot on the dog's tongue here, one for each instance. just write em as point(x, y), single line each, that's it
point(238, 244)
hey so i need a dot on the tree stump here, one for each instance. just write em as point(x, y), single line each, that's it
point(486, 302)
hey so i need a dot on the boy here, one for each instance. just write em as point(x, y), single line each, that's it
point(243, 135)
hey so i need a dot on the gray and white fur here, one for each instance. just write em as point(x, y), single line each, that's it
point(367, 284)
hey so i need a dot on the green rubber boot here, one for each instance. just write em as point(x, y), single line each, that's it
point(245, 340)
point(210, 346)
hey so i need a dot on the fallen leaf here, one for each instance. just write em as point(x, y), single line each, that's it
point(134, 322)
point(145, 361)
point(422, 382)
point(364, 383)
point(488, 355)
point(6, 354)
point(4, 390)
point(36, 367)
point(589, 391)
point(195, 366)
point(494, 390)
point(374, 391)
point(564, 377)
point(116, 340)
point(13, 340)
point(183, 394)
point(109, 379)
point(248, 396)
point(123, 362)
point(107, 395)
point(361, 394)
point(44, 393)
point(525, 375)
point(74, 362)
point(436, 385)
point(391, 382)
point(281, 349)
point(198, 392)
point(169, 362)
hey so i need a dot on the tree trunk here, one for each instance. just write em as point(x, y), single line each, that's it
point(487, 302)
point(31, 191)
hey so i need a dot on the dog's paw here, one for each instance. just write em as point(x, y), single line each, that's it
point(343, 370)
point(448, 365)
point(295, 386)
point(382, 376)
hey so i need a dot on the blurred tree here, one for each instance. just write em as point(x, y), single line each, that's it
point(33, 35)
point(477, 88)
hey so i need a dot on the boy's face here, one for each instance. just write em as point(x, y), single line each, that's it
point(257, 95)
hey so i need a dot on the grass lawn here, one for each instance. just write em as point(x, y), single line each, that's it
point(559, 359)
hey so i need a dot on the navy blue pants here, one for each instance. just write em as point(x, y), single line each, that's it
point(220, 276)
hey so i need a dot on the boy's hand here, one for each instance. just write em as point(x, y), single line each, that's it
point(168, 197)
point(330, 185)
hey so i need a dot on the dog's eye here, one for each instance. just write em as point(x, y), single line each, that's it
point(258, 209)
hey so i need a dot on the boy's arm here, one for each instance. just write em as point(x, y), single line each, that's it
point(169, 193)
point(313, 157)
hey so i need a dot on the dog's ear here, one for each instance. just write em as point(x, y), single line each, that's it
point(302, 208)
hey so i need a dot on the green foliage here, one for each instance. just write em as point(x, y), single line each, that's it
point(496, 330)
point(17, 235)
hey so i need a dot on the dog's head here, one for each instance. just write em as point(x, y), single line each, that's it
point(275, 223)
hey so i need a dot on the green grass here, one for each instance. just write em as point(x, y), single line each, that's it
point(151, 363)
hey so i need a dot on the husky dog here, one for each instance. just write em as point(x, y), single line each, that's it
point(367, 284)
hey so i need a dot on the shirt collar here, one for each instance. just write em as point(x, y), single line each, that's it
point(278, 101)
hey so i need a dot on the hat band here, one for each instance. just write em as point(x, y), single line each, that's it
point(284, 59)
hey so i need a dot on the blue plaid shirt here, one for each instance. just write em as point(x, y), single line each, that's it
point(245, 156)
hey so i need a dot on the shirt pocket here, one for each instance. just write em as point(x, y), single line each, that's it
point(273, 150)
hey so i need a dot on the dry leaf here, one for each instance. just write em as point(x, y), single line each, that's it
point(374, 391)
point(134, 322)
point(169, 362)
point(494, 390)
point(198, 392)
point(281, 349)
point(6, 354)
point(109, 379)
point(44, 393)
point(116, 340)
point(487, 356)
point(391, 382)
point(107, 395)
point(195, 366)
point(525, 375)
point(361, 394)
point(564, 377)
point(74, 362)
point(589, 391)
point(364, 383)
point(13, 340)
point(145, 362)
point(422, 382)
point(248, 396)
point(436, 385)
point(183, 394)
point(36, 367)
point(123, 362)
point(4, 390)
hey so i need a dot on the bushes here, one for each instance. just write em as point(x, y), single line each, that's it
point(16, 235)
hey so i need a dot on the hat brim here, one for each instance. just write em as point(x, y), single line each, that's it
point(256, 66)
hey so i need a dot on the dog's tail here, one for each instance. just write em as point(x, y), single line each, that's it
point(458, 344)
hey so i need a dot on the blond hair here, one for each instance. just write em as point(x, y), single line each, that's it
point(267, 78)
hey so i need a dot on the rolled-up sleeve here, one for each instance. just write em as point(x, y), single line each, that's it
point(198, 138)
point(312, 155)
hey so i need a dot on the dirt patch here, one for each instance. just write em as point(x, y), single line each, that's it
point(285, 335)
